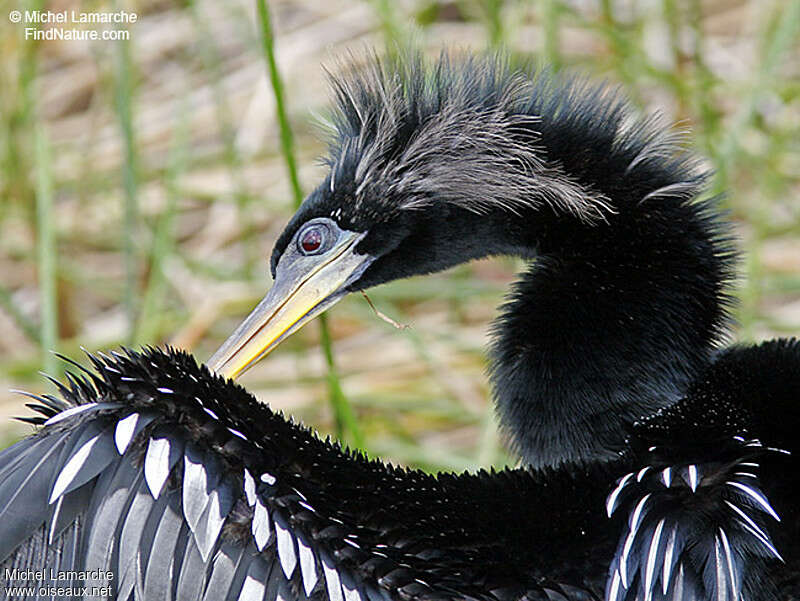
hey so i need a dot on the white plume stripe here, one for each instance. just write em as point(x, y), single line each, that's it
point(757, 497)
point(54, 520)
point(629, 540)
point(721, 579)
point(210, 526)
point(636, 516)
point(614, 590)
point(729, 561)
point(623, 563)
point(286, 552)
point(350, 594)
point(753, 528)
point(236, 432)
point(308, 567)
point(156, 465)
point(249, 487)
point(675, 190)
point(666, 573)
point(72, 467)
point(195, 484)
point(69, 413)
point(666, 476)
point(677, 593)
point(123, 434)
point(611, 502)
point(642, 473)
point(351, 542)
point(693, 477)
point(252, 589)
point(260, 526)
point(652, 554)
point(332, 581)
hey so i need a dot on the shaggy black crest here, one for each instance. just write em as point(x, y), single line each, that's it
point(484, 133)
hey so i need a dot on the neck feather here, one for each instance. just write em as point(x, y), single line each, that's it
point(612, 322)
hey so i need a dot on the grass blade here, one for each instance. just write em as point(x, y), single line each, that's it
point(494, 22)
point(551, 51)
point(148, 324)
point(287, 138)
point(393, 33)
point(123, 93)
point(46, 249)
point(346, 423)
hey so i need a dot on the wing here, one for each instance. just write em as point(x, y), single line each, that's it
point(720, 470)
point(148, 508)
point(166, 482)
point(694, 531)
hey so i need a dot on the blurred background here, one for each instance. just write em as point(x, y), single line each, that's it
point(143, 183)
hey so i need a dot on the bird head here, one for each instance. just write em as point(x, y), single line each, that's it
point(431, 165)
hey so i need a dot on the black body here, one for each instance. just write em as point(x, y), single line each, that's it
point(388, 533)
point(656, 464)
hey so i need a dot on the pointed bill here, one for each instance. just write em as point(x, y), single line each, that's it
point(304, 287)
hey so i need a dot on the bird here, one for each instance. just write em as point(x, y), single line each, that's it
point(656, 463)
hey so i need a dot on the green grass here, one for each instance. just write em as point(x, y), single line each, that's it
point(143, 183)
point(148, 324)
point(347, 427)
point(46, 250)
point(124, 92)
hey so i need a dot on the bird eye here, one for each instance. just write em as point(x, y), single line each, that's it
point(311, 239)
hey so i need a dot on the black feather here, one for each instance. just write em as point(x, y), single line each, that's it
point(326, 508)
point(604, 360)
point(440, 162)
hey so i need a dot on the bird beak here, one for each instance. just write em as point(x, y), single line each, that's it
point(304, 287)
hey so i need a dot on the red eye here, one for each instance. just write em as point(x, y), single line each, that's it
point(311, 239)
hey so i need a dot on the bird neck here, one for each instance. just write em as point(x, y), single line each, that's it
point(611, 322)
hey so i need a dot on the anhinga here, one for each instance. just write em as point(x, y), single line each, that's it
point(656, 465)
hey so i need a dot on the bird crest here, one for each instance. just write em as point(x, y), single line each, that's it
point(481, 133)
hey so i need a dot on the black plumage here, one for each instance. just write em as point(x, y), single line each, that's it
point(657, 466)
point(403, 533)
point(740, 416)
point(629, 291)
point(387, 532)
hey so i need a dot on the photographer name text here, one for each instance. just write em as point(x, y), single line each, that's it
point(73, 16)
point(40, 575)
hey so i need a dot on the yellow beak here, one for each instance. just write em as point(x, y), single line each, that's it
point(304, 287)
